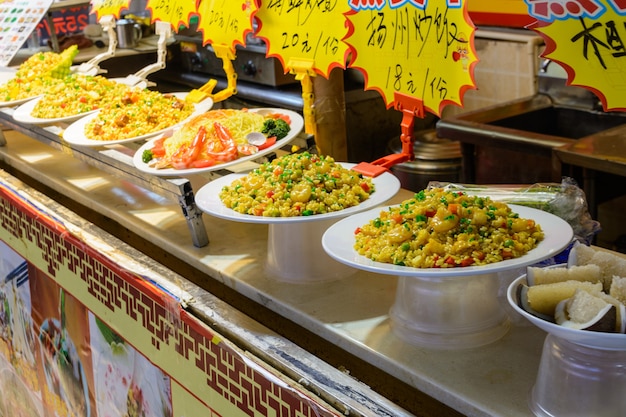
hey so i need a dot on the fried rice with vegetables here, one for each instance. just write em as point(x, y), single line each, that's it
point(300, 184)
point(38, 74)
point(77, 94)
point(445, 229)
point(137, 112)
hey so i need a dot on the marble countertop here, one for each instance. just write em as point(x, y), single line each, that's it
point(352, 313)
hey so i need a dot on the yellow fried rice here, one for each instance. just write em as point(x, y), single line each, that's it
point(77, 94)
point(32, 78)
point(137, 112)
point(442, 229)
point(300, 184)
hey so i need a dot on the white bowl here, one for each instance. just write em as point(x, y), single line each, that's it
point(599, 340)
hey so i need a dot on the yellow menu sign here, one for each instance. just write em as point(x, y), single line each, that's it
point(176, 12)
point(309, 31)
point(108, 7)
point(226, 22)
point(588, 39)
point(415, 48)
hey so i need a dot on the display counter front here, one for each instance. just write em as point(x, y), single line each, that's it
point(342, 324)
point(91, 327)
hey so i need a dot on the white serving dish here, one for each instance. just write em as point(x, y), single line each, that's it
point(448, 308)
point(75, 133)
point(597, 340)
point(294, 252)
point(297, 124)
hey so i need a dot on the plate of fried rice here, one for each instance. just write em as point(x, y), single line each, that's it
point(10, 96)
point(254, 197)
point(144, 115)
point(446, 238)
point(23, 114)
point(35, 76)
point(71, 98)
point(18, 102)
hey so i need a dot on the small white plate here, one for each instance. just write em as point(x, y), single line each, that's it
point(338, 242)
point(23, 114)
point(6, 74)
point(208, 200)
point(75, 133)
point(601, 340)
point(297, 124)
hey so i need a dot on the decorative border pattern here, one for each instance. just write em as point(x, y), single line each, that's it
point(144, 315)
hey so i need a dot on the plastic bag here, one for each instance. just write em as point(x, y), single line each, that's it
point(565, 200)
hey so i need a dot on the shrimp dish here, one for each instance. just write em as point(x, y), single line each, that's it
point(215, 137)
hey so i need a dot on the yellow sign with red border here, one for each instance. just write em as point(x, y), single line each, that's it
point(108, 7)
point(178, 13)
point(424, 51)
point(588, 39)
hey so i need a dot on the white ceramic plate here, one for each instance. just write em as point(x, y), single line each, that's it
point(207, 200)
point(23, 114)
point(297, 124)
point(607, 341)
point(15, 103)
point(6, 74)
point(338, 242)
point(75, 133)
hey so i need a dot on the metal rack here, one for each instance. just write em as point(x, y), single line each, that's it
point(118, 163)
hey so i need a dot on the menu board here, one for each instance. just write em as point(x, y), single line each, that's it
point(588, 39)
point(18, 19)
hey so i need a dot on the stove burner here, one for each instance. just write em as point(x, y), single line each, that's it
point(250, 63)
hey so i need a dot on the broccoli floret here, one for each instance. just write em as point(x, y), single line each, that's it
point(275, 127)
point(147, 156)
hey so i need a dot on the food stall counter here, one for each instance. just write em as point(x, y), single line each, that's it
point(344, 322)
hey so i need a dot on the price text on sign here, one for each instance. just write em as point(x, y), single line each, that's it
point(108, 7)
point(418, 48)
point(588, 38)
point(178, 12)
point(226, 22)
point(311, 30)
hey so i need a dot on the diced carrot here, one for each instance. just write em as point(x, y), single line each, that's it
point(467, 261)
